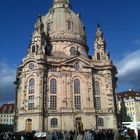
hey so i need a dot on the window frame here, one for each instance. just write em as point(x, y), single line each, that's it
point(53, 102)
point(97, 88)
point(77, 102)
point(33, 49)
point(72, 50)
point(54, 122)
point(100, 121)
point(48, 26)
point(98, 56)
point(53, 86)
point(76, 86)
point(69, 23)
point(97, 103)
point(31, 89)
point(30, 106)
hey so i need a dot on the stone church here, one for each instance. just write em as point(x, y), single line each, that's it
point(58, 85)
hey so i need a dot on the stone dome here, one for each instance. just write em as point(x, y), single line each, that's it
point(61, 23)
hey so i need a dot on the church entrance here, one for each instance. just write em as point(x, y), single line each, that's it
point(79, 124)
point(28, 125)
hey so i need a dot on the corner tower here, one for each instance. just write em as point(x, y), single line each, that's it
point(100, 53)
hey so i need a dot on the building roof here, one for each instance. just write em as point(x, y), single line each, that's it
point(7, 108)
point(130, 94)
point(59, 20)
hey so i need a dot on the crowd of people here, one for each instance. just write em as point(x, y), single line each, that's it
point(123, 134)
point(84, 135)
point(61, 135)
point(17, 136)
point(128, 134)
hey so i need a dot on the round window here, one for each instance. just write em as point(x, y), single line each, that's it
point(31, 66)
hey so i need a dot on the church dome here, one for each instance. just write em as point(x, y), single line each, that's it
point(61, 23)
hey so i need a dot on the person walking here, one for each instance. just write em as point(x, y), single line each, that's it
point(88, 135)
point(139, 134)
point(53, 136)
point(80, 136)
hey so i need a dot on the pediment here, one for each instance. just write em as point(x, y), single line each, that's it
point(73, 60)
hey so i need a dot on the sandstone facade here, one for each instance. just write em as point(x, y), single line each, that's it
point(58, 85)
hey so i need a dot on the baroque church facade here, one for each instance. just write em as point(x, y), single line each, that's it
point(60, 87)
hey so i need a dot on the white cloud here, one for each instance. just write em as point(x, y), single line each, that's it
point(129, 69)
point(7, 77)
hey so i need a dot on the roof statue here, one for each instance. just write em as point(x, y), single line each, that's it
point(99, 33)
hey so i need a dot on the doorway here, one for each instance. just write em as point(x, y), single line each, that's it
point(79, 124)
point(28, 125)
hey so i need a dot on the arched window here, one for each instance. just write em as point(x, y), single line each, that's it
point(102, 56)
point(100, 122)
point(97, 88)
point(97, 96)
point(77, 98)
point(98, 56)
point(69, 25)
point(54, 122)
point(72, 51)
point(53, 97)
point(49, 27)
point(29, 120)
point(53, 86)
point(33, 49)
point(37, 48)
point(76, 86)
point(31, 86)
point(78, 119)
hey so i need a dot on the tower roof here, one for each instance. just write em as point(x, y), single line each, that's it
point(128, 94)
point(7, 108)
point(99, 33)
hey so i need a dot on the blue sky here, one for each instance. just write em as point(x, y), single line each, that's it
point(119, 19)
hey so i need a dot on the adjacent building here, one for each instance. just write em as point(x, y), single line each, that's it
point(131, 101)
point(7, 114)
point(59, 86)
point(129, 109)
